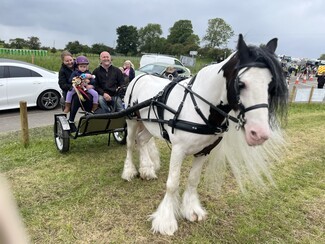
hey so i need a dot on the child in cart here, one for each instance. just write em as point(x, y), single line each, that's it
point(83, 78)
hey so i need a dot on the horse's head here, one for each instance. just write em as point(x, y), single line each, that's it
point(256, 89)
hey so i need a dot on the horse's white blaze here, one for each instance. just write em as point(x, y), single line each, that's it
point(257, 129)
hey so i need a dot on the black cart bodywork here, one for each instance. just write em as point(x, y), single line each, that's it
point(88, 125)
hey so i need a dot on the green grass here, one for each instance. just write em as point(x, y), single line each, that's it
point(79, 197)
point(53, 61)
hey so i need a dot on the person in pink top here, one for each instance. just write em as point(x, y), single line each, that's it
point(128, 71)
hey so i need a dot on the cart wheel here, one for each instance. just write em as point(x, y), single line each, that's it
point(61, 137)
point(120, 137)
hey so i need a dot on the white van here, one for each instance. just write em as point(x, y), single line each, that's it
point(159, 58)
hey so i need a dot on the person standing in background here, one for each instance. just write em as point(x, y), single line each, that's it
point(128, 72)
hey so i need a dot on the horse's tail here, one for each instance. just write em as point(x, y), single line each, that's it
point(247, 163)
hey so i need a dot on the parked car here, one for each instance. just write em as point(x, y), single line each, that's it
point(21, 81)
point(159, 58)
point(159, 68)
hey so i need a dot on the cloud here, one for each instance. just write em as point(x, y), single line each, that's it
point(296, 23)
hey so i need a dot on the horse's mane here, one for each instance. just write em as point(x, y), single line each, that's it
point(278, 91)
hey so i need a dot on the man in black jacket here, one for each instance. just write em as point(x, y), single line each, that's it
point(108, 80)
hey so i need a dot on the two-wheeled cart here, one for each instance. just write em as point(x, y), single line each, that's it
point(88, 125)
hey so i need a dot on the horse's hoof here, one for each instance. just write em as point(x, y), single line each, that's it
point(129, 176)
point(147, 173)
point(148, 177)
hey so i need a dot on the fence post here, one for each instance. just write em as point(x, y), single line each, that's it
point(24, 122)
point(293, 93)
point(311, 94)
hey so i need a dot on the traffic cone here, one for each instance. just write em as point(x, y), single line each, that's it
point(305, 79)
point(311, 78)
point(297, 80)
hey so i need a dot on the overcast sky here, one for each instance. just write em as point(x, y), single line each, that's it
point(298, 24)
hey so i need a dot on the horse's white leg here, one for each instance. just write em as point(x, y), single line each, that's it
point(164, 220)
point(145, 144)
point(154, 153)
point(191, 206)
point(129, 170)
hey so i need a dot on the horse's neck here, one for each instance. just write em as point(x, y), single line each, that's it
point(211, 84)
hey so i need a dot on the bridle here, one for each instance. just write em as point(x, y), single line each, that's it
point(241, 121)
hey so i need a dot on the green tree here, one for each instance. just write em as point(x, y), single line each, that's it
point(127, 40)
point(34, 43)
point(322, 57)
point(218, 33)
point(149, 38)
point(18, 43)
point(181, 39)
point(160, 46)
point(97, 48)
point(182, 33)
point(74, 47)
point(2, 43)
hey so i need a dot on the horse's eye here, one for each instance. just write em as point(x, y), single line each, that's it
point(241, 85)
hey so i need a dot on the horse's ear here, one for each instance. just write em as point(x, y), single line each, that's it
point(271, 45)
point(243, 51)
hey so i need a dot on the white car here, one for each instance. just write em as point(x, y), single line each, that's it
point(159, 69)
point(159, 58)
point(21, 81)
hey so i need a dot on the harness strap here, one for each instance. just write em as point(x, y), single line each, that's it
point(261, 105)
point(223, 113)
point(205, 151)
point(206, 128)
point(198, 110)
point(180, 107)
point(161, 107)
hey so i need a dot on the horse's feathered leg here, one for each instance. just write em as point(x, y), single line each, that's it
point(147, 167)
point(129, 170)
point(154, 153)
point(164, 220)
point(191, 206)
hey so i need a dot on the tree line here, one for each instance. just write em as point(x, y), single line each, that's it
point(132, 41)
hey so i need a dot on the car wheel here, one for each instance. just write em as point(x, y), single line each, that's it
point(120, 137)
point(48, 100)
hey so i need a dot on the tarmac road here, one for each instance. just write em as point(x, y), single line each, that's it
point(10, 119)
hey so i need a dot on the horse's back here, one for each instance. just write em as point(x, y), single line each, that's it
point(144, 87)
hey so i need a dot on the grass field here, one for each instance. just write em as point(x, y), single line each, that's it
point(80, 197)
point(53, 61)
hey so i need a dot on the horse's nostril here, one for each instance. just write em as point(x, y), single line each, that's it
point(253, 133)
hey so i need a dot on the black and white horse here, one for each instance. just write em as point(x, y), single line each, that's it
point(231, 108)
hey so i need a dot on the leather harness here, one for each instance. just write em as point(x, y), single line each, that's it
point(211, 127)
